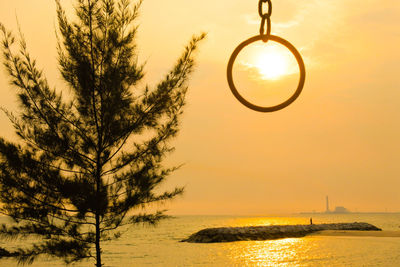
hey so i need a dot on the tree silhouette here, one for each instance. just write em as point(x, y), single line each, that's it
point(91, 162)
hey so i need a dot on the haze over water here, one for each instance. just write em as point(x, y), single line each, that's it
point(161, 247)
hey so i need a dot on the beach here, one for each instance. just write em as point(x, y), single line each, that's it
point(357, 233)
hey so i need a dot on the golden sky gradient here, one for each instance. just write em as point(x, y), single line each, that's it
point(339, 138)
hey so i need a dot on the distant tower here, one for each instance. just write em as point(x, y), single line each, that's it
point(327, 205)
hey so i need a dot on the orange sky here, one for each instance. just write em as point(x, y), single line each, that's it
point(340, 138)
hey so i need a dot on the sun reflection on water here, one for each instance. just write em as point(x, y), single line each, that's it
point(279, 252)
point(256, 221)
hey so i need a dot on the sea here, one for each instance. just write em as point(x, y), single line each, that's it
point(161, 246)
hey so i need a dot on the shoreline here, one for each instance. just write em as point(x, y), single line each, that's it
point(356, 233)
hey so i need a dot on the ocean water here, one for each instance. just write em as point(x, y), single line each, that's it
point(160, 246)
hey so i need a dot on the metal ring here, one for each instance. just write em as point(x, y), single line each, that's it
point(284, 104)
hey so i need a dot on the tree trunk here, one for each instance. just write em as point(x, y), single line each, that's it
point(98, 250)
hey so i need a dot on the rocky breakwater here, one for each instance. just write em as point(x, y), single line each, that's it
point(230, 234)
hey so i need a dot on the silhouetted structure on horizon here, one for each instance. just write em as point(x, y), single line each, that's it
point(338, 209)
point(327, 205)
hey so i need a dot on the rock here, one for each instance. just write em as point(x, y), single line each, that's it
point(230, 234)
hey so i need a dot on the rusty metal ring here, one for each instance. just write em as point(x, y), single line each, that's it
point(287, 102)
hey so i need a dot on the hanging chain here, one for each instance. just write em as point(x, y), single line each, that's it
point(265, 19)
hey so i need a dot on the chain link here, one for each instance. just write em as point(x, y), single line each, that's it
point(265, 19)
point(260, 8)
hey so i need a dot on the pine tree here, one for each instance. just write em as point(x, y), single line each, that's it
point(89, 163)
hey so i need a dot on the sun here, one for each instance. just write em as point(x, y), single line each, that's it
point(271, 65)
point(268, 62)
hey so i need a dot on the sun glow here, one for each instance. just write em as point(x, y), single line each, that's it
point(271, 65)
point(269, 62)
point(266, 74)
